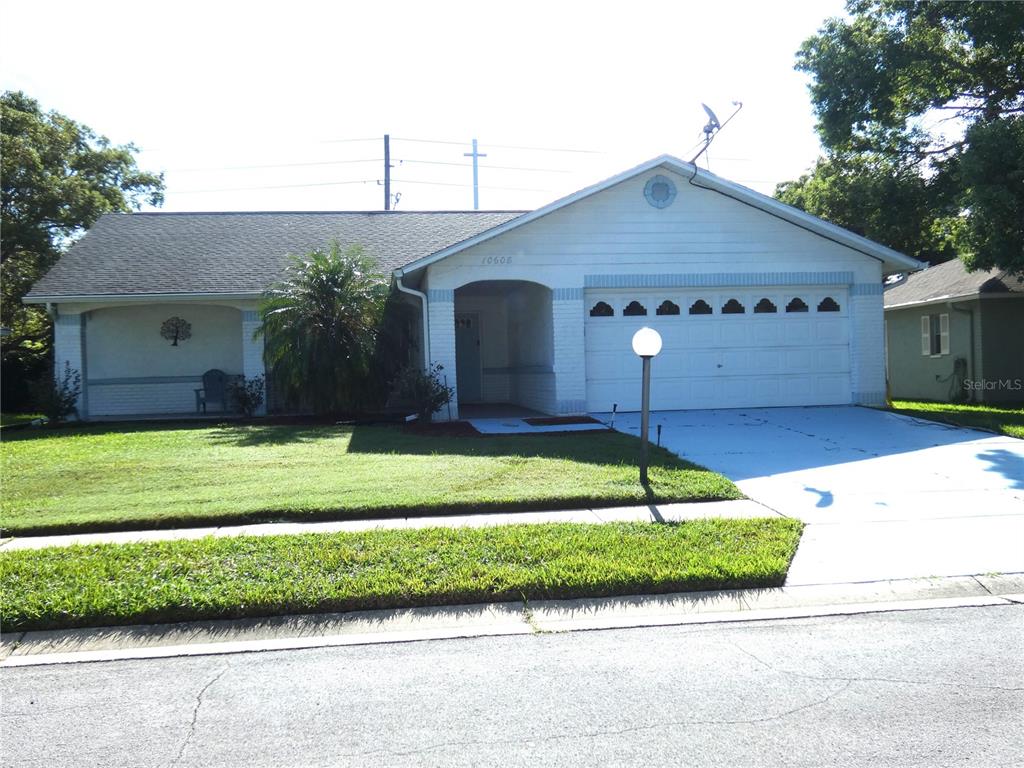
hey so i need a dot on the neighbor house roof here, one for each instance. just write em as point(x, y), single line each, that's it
point(950, 280)
point(156, 254)
point(892, 261)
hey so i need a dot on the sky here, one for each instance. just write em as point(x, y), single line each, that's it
point(283, 106)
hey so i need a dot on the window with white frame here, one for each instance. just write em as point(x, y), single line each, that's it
point(935, 335)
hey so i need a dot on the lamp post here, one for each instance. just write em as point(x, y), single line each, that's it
point(646, 344)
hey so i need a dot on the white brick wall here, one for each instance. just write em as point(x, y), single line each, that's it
point(252, 351)
point(867, 349)
point(144, 397)
point(569, 358)
point(69, 348)
point(441, 309)
point(534, 389)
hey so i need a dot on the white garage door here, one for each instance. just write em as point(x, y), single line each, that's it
point(722, 348)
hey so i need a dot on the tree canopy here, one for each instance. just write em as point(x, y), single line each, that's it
point(56, 177)
point(920, 109)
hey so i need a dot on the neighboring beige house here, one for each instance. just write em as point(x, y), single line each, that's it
point(759, 304)
point(955, 335)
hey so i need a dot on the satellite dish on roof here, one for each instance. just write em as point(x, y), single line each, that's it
point(713, 124)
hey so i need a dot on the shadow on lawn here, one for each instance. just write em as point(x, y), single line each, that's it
point(252, 435)
point(609, 448)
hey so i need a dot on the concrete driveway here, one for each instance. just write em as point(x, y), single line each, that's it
point(885, 496)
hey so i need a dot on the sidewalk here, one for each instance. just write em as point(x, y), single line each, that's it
point(738, 509)
point(467, 621)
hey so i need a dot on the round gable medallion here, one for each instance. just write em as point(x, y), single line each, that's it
point(660, 191)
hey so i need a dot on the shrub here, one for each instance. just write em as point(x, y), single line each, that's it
point(58, 399)
point(247, 395)
point(425, 390)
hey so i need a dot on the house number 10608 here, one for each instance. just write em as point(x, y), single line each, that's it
point(492, 260)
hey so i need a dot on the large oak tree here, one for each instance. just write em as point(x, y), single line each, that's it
point(920, 109)
point(57, 177)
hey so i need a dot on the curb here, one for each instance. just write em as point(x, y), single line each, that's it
point(504, 619)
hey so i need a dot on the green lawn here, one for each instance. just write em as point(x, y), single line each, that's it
point(111, 584)
point(1007, 420)
point(146, 476)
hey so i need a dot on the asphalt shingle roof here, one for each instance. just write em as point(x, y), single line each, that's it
point(133, 253)
point(950, 279)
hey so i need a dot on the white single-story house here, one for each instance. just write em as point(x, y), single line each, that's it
point(955, 335)
point(758, 303)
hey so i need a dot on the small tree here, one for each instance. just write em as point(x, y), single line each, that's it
point(320, 323)
point(425, 390)
point(58, 398)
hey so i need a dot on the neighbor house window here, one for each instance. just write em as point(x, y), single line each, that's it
point(934, 335)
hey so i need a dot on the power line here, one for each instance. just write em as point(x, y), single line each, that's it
point(271, 186)
point(274, 165)
point(465, 186)
point(502, 146)
point(484, 165)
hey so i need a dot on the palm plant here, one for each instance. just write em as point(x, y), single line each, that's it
point(320, 324)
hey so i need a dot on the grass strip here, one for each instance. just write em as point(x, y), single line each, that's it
point(1008, 420)
point(123, 477)
point(249, 576)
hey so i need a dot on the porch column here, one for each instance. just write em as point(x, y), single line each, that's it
point(69, 348)
point(252, 353)
point(569, 358)
point(441, 312)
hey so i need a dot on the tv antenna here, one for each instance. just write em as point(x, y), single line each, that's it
point(714, 127)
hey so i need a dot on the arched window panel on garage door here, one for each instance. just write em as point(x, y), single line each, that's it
point(733, 307)
point(700, 307)
point(828, 304)
point(796, 305)
point(765, 306)
point(602, 309)
point(667, 307)
point(634, 309)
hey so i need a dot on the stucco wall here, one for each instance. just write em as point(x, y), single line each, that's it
point(913, 375)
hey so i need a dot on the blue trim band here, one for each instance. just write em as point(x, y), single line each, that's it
point(567, 294)
point(718, 279)
point(866, 289)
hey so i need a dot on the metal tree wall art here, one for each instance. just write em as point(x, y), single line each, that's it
point(175, 329)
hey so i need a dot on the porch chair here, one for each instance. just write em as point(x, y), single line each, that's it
point(214, 391)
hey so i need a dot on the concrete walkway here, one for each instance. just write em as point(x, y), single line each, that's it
point(414, 624)
point(649, 513)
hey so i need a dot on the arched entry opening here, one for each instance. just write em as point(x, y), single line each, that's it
point(504, 346)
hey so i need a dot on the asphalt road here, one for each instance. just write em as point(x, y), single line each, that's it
point(928, 688)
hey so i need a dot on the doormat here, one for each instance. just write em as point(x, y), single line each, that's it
point(554, 421)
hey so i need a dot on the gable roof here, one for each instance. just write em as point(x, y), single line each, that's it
point(238, 254)
point(950, 280)
point(892, 261)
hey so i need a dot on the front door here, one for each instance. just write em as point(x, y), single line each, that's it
point(467, 357)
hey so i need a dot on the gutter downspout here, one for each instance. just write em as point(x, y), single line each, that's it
point(970, 313)
point(399, 274)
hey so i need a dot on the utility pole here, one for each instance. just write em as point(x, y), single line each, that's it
point(476, 175)
point(387, 172)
